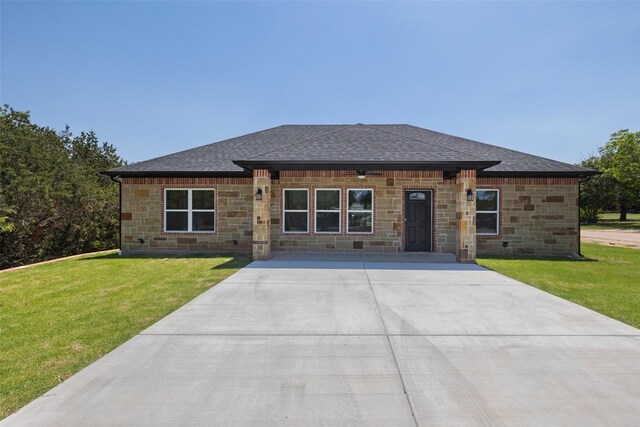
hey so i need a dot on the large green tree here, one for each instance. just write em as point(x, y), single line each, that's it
point(619, 185)
point(620, 159)
point(53, 199)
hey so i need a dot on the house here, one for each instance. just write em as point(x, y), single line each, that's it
point(371, 188)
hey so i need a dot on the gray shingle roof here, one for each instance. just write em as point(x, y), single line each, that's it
point(346, 143)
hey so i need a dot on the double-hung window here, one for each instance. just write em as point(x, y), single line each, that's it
point(296, 210)
point(487, 212)
point(189, 210)
point(360, 211)
point(327, 210)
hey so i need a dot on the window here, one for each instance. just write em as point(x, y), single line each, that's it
point(327, 211)
point(360, 211)
point(296, 211)
point(487, 215)
point(188, 210)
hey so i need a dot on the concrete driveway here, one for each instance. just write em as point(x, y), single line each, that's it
point(332, 343)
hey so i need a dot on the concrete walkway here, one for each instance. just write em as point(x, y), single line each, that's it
point(359, 343)
point(629, 238)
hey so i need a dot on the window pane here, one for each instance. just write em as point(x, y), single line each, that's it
point(360, 200)
point(203, 221)
point(487, 200)
point(487, 223)
point(295, 221)
point(328, 222)
point(360, 223)
point(295, 200)
point(177, 221)
point(328, 200)
point(202, 199)
point(177, 199)
point(417, 196)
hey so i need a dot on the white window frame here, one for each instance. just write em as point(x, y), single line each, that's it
point(190, 210)
point(316, 210)
point(371, 211)
point(497, 211)
point(284, 211)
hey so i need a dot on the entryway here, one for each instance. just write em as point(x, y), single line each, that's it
point(418, 220)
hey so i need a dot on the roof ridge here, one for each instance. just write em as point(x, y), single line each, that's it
point(429, 142)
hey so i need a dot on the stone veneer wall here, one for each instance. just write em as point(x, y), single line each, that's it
point(388, 189)
point(143, 215)
point(538, 216)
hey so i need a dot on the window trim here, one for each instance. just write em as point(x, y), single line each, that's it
point(190, 211)
point(284, 211)
point(497, 211)
point(316, 210)
point(372, 211)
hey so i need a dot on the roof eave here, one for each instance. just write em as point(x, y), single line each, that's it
point(250, 165)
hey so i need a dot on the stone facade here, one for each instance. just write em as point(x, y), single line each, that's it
point(261, 215)
point(142, 215)
point(466, 216)
point(538, 216)
point(388, 192)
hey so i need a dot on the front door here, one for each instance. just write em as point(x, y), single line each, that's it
point(417, 220)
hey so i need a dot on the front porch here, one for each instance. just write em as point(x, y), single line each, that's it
point(445, 225)
point(404, 257)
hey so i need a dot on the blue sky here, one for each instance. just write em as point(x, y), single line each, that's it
point(549, 78)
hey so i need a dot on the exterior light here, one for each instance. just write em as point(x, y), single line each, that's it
point(361, 174)
point(259, 194)
point(469, 195)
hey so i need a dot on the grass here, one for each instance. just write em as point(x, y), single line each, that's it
point(608, 281)
point(57, 318)
point(609, 221)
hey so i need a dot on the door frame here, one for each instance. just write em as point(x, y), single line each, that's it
point(431, 192)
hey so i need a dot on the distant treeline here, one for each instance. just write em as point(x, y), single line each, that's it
point(53, 200)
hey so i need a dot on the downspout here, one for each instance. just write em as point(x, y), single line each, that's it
point(580, 181)
point(119, 181)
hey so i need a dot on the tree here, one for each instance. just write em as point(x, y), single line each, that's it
point(620, 160)
point(53, 199)
point(597, 194)
point(619, 185)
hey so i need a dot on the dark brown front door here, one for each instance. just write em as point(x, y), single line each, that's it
point(417, 221)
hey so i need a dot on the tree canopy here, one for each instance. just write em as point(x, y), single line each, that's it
point(619, 185)
point(53, 200)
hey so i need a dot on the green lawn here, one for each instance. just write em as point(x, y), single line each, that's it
point(57, 318)
point(608, 281)
point(610, 221)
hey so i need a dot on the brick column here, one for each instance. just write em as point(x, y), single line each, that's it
point(262, 215)
point(466, 216)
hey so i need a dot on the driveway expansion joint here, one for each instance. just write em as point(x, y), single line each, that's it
point(393, 354)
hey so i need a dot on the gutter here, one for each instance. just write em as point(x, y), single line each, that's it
point(249, 165)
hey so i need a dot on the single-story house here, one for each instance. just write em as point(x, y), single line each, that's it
point(371, 188)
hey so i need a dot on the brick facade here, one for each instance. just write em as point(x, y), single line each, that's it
point(143, 215)
point(388, 229)
point(466, 216)
point(538, 215)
